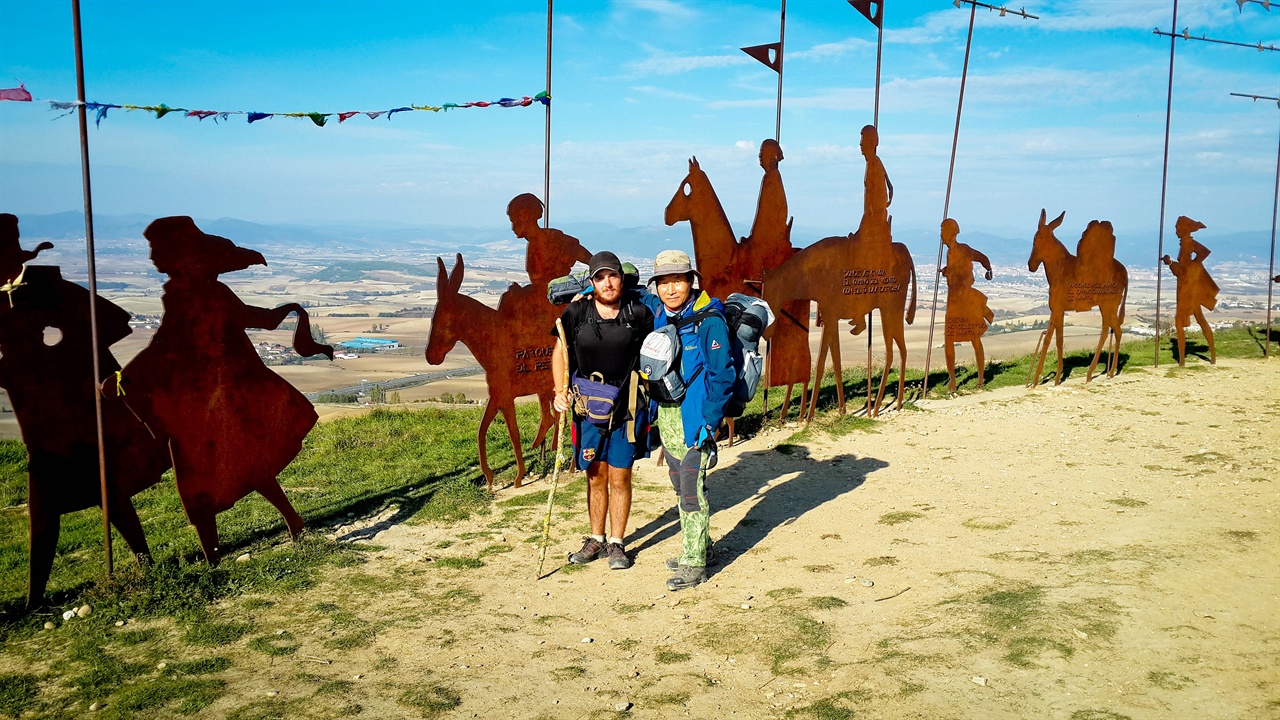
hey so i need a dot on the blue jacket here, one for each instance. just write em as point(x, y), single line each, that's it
point(706, 345)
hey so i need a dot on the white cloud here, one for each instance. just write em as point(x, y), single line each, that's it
point(676, 64)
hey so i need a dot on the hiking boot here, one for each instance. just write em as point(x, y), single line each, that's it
point(591, 549)
point(673, 564)
point(618, 559)
point(687, 576)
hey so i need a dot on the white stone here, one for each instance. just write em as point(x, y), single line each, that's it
point(746, 606)
point(84, 610)
point(977, 680)
point(119, 623)
point(587, 640)
point(244, 558)
point(622, 706)
point(68, 614)
point(49, 626)
point(96, 707)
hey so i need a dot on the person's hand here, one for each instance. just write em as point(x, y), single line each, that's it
point(988, 274)
point(705, 435)
point(1166, 260)
point(560, 401)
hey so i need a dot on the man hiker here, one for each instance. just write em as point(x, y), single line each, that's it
point(688, 425)
point(604, 334)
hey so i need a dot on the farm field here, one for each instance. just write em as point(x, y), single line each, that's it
point(1088, 551)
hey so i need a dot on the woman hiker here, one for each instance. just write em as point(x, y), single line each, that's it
point(688, 426)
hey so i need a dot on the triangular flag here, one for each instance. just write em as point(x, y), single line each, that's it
point(864, 7)
point(761, 53)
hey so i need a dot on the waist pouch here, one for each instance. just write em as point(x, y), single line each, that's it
point(594, 399)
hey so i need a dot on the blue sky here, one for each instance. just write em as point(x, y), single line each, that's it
point(1066, 112)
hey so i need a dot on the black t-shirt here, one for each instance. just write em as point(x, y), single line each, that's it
point(609, 347)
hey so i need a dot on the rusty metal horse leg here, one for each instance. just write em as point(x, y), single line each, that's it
point(490, 410)
point(508, 411)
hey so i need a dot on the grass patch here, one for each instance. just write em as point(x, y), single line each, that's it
point(18, 692)
point(185, 696)
point(570, 672)
point(901, 516)
point(431, 700)
point(827, 602)
point(1241, 535)
point(832, 707)
point(670, 657)
point(784, 592)
point(1168, 680)
point(881, 561)
point(1127, 502)
point(458, 563)
point(203, 630)
point(987, 523)
point(676, 698)
point(274, 645)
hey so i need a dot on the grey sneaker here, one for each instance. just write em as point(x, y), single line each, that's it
point(673, 564)
point(686, 577)
point(618, 559)
point(591, 549)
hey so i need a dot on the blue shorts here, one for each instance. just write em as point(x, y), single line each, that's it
point(595, 443)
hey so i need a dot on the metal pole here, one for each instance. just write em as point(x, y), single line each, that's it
point(782, 40)
point(946, 205)
point(546, 141)
point(1271, 267)
point(1164, 179)
point(875, 121)
point(93, 281)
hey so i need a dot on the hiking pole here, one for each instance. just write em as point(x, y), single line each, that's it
point(555, 470)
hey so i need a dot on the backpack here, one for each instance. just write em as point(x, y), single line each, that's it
point(747, 317)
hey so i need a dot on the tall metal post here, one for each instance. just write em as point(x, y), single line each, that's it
point(1164, 177)
point(1271, 266)
point(946, 204)
point(875, 121)
point(546, 140)
point(782, 43)
point(93, 280)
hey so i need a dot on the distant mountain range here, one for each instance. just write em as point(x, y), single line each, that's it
point(637, 243)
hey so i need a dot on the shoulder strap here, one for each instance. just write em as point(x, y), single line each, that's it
point(694, 318)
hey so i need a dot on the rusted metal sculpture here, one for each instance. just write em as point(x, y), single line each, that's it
point(551, 253)
point(1090, 278)
point(728, 265)
point(849, 277)
point(510, 343)
point(231, 424)
point(49, 378)
point(1196, 289)
point(968, 316)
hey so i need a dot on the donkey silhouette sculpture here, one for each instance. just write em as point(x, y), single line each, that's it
point(50, 385)
point(727, 265)
point(513, 345)
point(849, 278)
point(1090, 278)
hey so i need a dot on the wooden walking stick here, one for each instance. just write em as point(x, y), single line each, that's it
point(555, 470)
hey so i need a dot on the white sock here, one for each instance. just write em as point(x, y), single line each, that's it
point(598, 538)
point(617, 540)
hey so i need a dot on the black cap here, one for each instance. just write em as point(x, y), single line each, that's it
point(603, 260)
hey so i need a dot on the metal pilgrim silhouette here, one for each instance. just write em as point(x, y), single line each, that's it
point(851, 275)
point(46, 366)
point(1196, 289)
point(730, 265)
point(231, 424)
point(968, 315)
point(1090, 278)
point(510, 343)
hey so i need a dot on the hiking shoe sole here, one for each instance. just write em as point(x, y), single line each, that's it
point(687, 577)
point(618, 559)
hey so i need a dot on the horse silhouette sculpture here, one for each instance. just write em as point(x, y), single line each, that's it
point(1090, 278)
point(512, 344)
point(728, 265)
point(849, 278)
point(50, 385)
point(231, 424)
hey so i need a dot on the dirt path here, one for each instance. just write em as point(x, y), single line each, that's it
point(1086, 553)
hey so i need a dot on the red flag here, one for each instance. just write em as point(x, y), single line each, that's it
point(18, 94)
point(761, 53)
point(864, 7)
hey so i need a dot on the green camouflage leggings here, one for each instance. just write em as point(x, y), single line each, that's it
point(688, 477)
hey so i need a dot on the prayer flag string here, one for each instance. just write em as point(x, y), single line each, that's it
point(100, 110)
